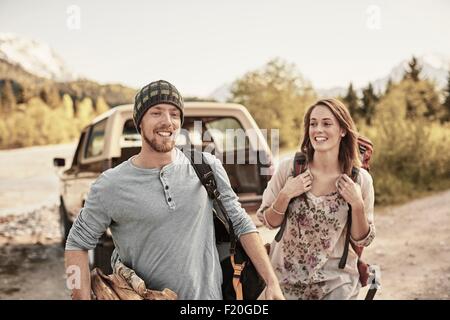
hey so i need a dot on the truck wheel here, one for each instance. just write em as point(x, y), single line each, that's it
point(65, 223)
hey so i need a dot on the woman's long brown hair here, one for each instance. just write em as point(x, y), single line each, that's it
point(348, 148)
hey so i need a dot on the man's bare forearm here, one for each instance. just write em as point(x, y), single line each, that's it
point(77, 271)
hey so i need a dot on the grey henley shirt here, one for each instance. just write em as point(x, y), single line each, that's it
point(161, 223)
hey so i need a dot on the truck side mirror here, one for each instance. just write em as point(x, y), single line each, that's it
point(59, 162)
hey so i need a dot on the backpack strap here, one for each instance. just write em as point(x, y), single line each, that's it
point(298, 167)
point(206, 176)
point(343, 261)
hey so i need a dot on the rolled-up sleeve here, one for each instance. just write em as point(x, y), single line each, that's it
point(274, 186)
point(368, 195)
point(241, 221)
point(92, 221)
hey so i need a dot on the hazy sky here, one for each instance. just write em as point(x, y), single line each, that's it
point(200, 45)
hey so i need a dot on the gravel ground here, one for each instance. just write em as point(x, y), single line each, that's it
point(412, 245)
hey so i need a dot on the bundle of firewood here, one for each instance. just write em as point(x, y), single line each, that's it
point(124, 284)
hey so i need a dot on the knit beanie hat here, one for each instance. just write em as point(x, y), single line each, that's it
point(154, 93)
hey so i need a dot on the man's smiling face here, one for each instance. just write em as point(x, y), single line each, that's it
point(160, 126)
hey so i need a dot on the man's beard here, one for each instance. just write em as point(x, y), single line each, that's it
point(159, 147)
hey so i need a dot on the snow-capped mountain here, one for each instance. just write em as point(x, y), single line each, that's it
point(35, 57)
point(435, 67)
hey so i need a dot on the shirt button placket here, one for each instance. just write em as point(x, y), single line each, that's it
point(169, 198)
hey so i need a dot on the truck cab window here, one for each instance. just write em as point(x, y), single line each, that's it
point(129, 134)
point(96, 140)
point(228, 134)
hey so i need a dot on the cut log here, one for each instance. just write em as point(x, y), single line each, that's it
point(124, 284)
point(100, 287)
point(138, 284)
point(166, 294)
point(121, 288)
point(131, 278)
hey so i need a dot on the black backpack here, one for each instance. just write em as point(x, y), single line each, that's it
point(241, 280)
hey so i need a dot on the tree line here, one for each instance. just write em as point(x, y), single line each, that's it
point(47, 118)
point(409, 123)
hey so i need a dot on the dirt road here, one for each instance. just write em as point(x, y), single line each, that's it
point(412, 244)
point(412, 247)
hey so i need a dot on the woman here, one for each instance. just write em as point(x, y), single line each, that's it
point(306, 258)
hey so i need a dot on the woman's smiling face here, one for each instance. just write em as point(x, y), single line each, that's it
point(325, 132)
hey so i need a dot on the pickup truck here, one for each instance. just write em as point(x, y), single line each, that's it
point(111, 138)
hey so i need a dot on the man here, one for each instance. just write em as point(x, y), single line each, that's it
point(159, 213)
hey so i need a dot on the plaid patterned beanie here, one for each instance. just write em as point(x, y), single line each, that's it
point(156, 92)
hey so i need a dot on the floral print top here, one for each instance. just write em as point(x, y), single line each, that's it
point(306, 258)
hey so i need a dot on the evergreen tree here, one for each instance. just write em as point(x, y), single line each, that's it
point(8, 99)
point(352, 102)
point(414, 70)
point(369, 101)
point(50, 95)
point(422, 99)
point(388, 86)
point(446, 105)
point(411, 109)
